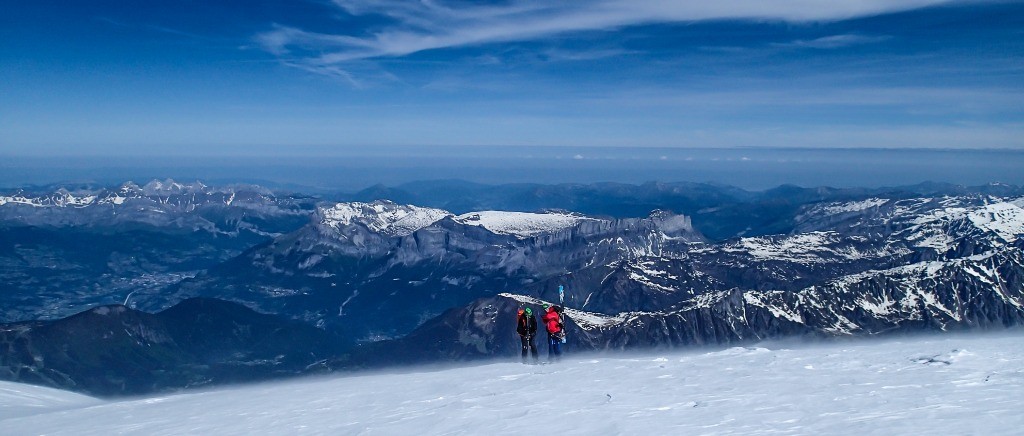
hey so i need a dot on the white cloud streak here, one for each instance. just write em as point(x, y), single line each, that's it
point(418, 26)
point(835, 41)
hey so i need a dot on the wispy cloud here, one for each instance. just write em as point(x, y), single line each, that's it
point(585, 55)
point(416, 26)
point(328, 70)
point(834, 41)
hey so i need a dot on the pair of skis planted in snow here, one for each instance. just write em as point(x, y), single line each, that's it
point(561, 316)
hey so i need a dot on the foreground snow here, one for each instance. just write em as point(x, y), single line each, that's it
point(954, 384)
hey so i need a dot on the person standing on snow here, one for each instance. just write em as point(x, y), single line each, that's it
point(526, 326)
point(556, 330)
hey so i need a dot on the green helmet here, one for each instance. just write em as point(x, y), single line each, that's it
point(528, 311)
point(546, 306)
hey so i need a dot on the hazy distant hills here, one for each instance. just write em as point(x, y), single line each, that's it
point(66, 248)
point(440, 274)
point(114, 350)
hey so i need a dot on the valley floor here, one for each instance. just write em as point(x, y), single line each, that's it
point(950, 384)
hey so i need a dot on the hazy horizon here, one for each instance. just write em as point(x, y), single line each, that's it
point(345, 94)
point(747, 168)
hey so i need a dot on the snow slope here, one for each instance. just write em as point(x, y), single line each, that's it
point(23, 400)
point(951, 384)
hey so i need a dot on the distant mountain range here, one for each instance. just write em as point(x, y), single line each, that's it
point(388, 282)
point(64, 249)
point(865, 267)
point(378, 270)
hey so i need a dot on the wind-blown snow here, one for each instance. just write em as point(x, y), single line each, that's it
point(954, 384)
point(382, 217)
point(521, 224)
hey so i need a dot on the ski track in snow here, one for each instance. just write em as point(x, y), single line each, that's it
point(951, 384)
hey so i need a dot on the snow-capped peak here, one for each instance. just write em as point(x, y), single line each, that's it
point(521, 224)
point(1001, 218)
point(169, 186)
point(1004, 219)
point(382, 216)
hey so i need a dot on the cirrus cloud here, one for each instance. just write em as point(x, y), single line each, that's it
point(417, 26)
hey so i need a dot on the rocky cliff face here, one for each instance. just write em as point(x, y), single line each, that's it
point(651, 281)
point(379, 270)
point(415, 283)
point(858, 268)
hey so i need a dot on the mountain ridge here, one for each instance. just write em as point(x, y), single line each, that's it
point(417, 283)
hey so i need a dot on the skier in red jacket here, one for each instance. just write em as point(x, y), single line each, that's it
point(556, 330)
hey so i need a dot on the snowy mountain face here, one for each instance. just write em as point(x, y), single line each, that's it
point(383, 218)
point(863, 266)
point(875, 270)
point(65, 249)
point(935, 224)
point(955, 384)
point(380, 269)
point(421, 284)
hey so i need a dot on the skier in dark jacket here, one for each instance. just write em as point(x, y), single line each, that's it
point(526, 326)
point(556, 331)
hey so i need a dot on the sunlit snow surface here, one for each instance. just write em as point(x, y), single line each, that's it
point(393, 219)
point(951, 384)
point(22, 400)
point(382, 216)
point(520, 224)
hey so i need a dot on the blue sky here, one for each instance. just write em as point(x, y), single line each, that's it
point(319, 77)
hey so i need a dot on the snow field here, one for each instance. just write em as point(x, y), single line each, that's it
point(382, 216)
point(951, 384)
point(521, 224)
point(393, 219)
point(22, 400)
